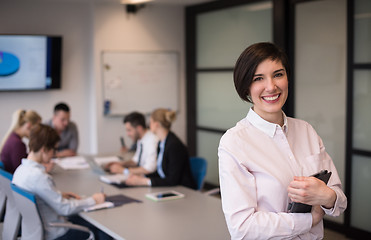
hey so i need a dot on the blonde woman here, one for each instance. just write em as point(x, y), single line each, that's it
point(173, 166)
point(12, 147)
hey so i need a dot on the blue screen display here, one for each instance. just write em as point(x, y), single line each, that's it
point(29, 62)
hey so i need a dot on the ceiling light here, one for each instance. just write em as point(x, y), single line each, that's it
point(135, 1)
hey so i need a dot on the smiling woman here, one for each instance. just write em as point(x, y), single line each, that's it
point(265, 158)
point(269, 90)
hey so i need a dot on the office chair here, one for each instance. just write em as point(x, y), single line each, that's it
point(198, 169)
point(32, 226)
point(12, 218)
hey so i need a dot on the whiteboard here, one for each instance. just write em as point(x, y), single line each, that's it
point(139, 81)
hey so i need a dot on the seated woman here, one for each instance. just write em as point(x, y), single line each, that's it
point(12, 147)
point(52, 204)
point(173, 167)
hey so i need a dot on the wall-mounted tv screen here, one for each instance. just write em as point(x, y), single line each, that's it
point(30, 62)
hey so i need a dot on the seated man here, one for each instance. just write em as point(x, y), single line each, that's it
point(144, 159)
point(66, 129)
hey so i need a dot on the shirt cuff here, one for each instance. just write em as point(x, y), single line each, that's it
point(331, 211)
point(126, 171)
point(303, 223)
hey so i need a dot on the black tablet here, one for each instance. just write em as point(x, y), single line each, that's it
point(295, 207)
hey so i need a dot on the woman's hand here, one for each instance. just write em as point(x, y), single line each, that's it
point(137, 180)
point(317, 215)
point(311, 191)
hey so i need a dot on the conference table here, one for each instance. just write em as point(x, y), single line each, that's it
point(196, 216)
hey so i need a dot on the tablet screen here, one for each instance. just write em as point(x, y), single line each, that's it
point(164, 195)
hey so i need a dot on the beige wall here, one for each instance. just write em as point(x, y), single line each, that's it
point(87, 29)
point(156, 27)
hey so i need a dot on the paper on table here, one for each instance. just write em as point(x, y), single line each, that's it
point(76, 162)
point(116, 178)
point(99, 206)
point(104, 160)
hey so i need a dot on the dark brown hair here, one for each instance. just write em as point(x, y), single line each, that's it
point(61, 107)
point(42, 136)
point(249, 60)
point(135, 119)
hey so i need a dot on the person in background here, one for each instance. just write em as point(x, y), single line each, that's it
point(66, 129)
point(52, 204)
point(173, 166)
point(144, 159)
point(12, 147)
point(266, 160)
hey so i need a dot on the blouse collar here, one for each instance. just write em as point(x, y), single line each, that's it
point(265, 126)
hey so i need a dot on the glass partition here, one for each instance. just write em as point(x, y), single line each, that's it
point(320, 76)
point(207, 146)
point(222, 35)
point(218, 105)
point(362, 31)
point(362, 117)
point(361, 194)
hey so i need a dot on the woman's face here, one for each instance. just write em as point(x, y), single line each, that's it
point(269, 89)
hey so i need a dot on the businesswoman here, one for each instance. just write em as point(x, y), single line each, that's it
point(12, 147)
point(52, 204)
point(265, 160)
point(173, 167)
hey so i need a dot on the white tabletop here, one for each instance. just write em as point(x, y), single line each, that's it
point(196, 216)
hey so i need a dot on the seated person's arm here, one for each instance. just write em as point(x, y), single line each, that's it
point(64, 203)
point(65, 153)
point(69, 195)
point(129, 164)
point(138, 170)
point(116, 167)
